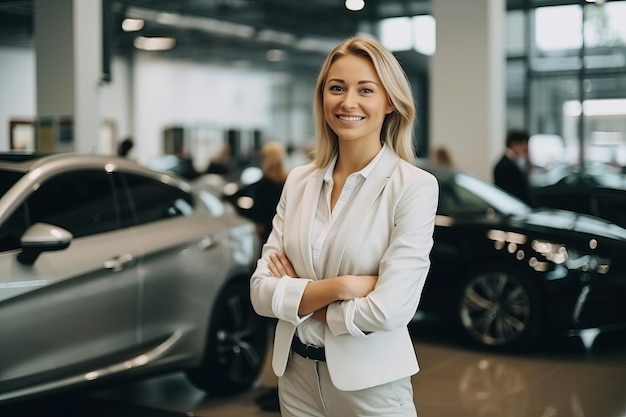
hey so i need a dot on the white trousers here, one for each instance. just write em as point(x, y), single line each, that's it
point(305, 390)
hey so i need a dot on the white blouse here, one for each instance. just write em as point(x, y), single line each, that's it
point(311, 331)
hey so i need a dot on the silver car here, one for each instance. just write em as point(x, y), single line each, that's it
point(109, 269)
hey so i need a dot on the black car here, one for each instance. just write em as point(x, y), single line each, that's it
point(505, 275)
point(586, 194)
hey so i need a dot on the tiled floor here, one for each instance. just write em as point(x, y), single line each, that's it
point(564, 379)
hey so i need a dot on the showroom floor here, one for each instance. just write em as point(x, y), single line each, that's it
point(564, 379)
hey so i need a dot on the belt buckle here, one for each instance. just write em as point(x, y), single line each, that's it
point(306, 350)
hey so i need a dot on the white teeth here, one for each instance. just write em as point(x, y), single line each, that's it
point(350, 118)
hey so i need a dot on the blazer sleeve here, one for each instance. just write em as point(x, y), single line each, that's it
point(277, 297)
point(402, 270)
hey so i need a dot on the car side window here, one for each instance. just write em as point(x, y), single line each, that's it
point(12, 230)
point(82, 202)
point(454, 201)
point(153, 200)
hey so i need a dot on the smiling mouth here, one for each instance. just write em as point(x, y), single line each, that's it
point(350, 118)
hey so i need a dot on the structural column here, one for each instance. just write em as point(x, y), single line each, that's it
point(467, 89)
point(68, 43)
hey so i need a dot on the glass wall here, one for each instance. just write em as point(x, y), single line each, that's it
point(566, 84)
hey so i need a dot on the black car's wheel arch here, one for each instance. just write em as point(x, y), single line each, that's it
point(530, 282)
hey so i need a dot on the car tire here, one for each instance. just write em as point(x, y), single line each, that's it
point(497, 308)
point(236, 345)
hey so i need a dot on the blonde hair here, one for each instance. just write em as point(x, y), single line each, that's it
point(397, 130)
point(274, 161)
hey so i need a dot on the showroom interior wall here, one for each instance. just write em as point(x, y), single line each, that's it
point(17, 87)
point(173, 93)
point(18, 98)
point(68, 64)
point(148, 95)
point(467, 95)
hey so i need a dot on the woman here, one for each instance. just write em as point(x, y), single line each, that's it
point(258, 200)
point(344, 266)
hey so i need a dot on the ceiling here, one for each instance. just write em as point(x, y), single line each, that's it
point(239, 32)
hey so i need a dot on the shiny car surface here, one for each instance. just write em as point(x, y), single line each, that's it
point(506, 275)
point(585, 197)
point(109, 269)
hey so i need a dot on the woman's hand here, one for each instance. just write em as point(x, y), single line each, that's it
point(280, 266)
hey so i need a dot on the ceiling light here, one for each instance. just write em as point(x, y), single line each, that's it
point(168, 18)
point(204, 24)
point(269, 35)
point(154, 43)
point(275, 55)
point(132, 25)
point(355, 5)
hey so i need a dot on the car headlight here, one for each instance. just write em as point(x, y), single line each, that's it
point(573, 259)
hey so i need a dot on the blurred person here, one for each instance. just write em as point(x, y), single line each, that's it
point(443, 157)
point(124, 147)
point(185, 166)
point(258, 200)
point(345, 264)
point(511, 172)
point(221, 163)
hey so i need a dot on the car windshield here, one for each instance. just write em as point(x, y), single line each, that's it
point(7, 179)
point(464, 194)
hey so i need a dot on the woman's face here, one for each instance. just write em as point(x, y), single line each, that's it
point(355, 102)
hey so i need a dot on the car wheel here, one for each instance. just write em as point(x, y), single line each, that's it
point(498, 309)
point(236, 344)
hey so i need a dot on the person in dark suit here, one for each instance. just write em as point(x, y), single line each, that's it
point(511, 171)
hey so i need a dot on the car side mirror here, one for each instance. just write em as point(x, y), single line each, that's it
point(42, 237)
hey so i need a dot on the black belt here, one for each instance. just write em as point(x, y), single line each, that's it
point(308, 351)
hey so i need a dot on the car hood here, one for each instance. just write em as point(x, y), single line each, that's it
point(571, 221)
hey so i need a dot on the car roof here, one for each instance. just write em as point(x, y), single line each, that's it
point(19, 161)
point(27, 161)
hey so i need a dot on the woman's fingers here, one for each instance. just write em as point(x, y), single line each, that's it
point(275, 266)
point(286, 264)
point(280, 266)
point(273, 269)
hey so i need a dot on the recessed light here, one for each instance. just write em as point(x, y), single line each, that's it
point(157, 43)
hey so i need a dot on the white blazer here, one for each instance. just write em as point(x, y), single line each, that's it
point(387, 231)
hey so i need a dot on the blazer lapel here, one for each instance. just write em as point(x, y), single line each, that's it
point(353, 215)
point(306, 219)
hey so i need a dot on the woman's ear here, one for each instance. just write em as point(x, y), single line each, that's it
point(389, 108)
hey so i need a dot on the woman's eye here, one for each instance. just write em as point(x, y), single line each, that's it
point(367, 90)
point(335, 88)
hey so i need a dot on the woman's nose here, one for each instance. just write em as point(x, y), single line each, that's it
point(349, 100)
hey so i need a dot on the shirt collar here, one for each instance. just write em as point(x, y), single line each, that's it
point(364, 172)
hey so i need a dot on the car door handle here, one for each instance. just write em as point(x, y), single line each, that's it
point(119, 262)
point(207, 243)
